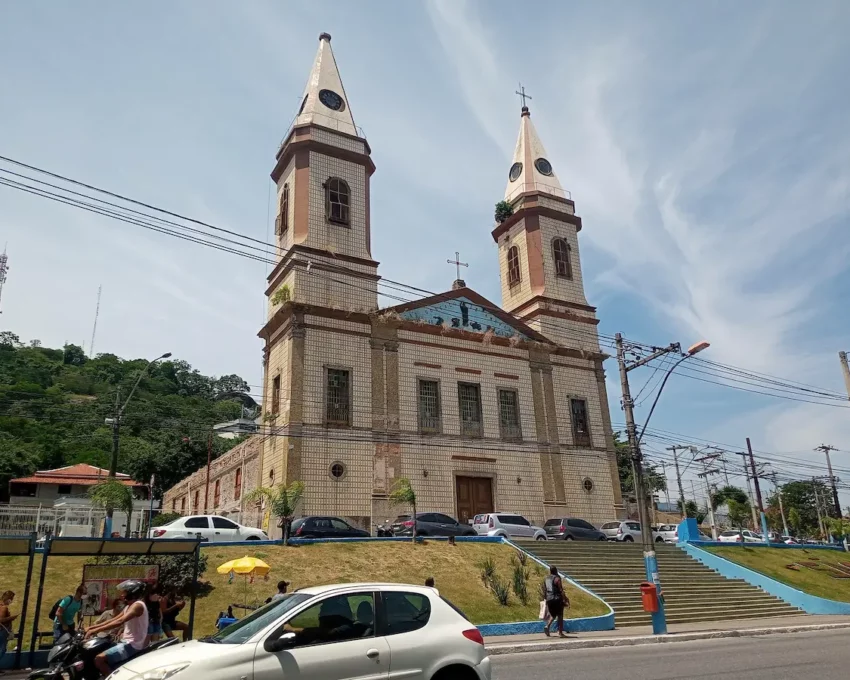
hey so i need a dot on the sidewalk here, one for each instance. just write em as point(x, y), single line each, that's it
point(682, 632)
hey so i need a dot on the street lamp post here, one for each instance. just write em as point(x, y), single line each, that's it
point(659, 620)
point(115, 421)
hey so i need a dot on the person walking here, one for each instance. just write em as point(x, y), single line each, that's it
point(171, 606)
point(68, 613)
point(556, 600)
point(6, 619)
point(133, 622)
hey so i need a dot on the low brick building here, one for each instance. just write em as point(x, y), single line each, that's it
point(232, 476)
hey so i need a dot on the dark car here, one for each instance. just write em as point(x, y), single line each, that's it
point(325, 527)
point(571, 529)
point(431, 524)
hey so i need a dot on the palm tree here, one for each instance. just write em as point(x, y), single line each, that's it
point(111, 494)
point(282, 501)
point(403, 493)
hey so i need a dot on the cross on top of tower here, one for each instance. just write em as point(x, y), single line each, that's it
point(523, 95)
point(459, 282)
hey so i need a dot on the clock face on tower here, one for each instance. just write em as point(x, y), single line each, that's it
point(331, 99)
point(516, 170)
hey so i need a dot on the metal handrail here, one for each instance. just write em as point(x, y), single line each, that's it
point(525, 187)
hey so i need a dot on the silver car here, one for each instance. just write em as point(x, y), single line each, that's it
point(506, 524)
point(626, 531)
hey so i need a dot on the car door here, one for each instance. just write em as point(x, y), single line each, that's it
point(450, 526)
point(405, 613)
point(579, 529)
point(200, 525)
point(225, 530)
point(335, 640)
point(341, 528)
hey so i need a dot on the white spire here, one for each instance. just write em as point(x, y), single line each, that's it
point(324, 102)
point(531, 169)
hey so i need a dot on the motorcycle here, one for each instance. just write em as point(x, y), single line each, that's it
point(385, 529)
point(72, 657)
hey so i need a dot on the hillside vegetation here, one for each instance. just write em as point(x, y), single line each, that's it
point(53, 403)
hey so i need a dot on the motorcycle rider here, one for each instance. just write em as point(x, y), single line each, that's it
point(134, 620)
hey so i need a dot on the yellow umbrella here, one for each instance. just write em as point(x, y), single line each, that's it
point(245, 565)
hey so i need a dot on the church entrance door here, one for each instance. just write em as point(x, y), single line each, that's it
point(474, 496)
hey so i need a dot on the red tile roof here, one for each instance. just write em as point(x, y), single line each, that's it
point(81, 474)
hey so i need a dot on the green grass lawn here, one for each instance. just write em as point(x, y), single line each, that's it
point(814, 575)
point(455, 569)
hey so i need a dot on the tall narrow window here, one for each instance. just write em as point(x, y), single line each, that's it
point(276, 395)
point(217, 493)
point(469, 401)
point(173, 504)
point(561, 251)
point(237, 485)
point(581, 426)
point(197, 501)
point(338, 397)
point(283, 218)
point(509, 426)
point(430, 416)
point(183, 504)
point(337, 201)
point(513, 266)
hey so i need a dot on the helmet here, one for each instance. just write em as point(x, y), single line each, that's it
point(134, 589)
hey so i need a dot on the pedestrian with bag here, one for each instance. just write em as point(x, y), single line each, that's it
point(66, 613)
point(6, 619)
point(556, 600)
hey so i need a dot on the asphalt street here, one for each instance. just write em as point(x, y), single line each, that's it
point(821, 654)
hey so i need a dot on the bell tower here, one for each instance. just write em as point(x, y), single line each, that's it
point(539, 261)
point(322, 225)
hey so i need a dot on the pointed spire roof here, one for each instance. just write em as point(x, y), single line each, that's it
point(531, 168)
point(325, 102)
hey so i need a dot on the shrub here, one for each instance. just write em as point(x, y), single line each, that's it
point(488, 570)
point(520, 582)
point(501, 591)
point(164, 518)
point(175, 571)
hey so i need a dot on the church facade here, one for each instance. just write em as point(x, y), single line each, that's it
point(482, 406)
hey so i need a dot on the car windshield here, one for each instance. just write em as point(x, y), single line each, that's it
point(244, 629)
point(402, 518)
point(729, 533)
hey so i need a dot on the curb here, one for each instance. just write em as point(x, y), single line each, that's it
point(593, 643)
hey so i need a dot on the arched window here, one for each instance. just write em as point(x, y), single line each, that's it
point(561, 251)
point(513, 266)
point(337, 201)
point(237, 486)
point(183, 504)
point(197, 500)
point(173, 504)
point(217, 493)
point(282, 222)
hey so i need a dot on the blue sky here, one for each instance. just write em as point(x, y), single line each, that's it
point(707, 149)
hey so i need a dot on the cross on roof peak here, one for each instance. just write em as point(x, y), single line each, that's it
point(458, 264)
point(523, 95)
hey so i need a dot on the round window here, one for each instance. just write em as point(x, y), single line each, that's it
point(516, 171)
point(587, 484)
point(337, 470)
point(543, 166)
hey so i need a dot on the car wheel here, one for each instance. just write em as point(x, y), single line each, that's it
point(540, 538)
point(253, 538)
point(603, 538)
point(421, 533)
point(628, 539)
point(568, 538)
point(659, 540)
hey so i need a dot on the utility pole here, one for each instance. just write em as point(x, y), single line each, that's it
point(209, 464)
point(845, 369)
point(659, 623)
point(758, 492)
point(666, 483)
point(781, 507)
point(675, 450)
point(817, 506)
point(826, 448)
point(750, 490)
point(706, 471)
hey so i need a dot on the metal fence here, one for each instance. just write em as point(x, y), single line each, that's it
point(22, 520)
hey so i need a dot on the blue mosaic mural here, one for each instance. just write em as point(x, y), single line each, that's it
point(463, 314)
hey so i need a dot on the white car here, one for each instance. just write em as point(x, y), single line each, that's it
point(351, 630)
point(210, 528)
point(742, 536)
point(667, 533)
point(508, 525)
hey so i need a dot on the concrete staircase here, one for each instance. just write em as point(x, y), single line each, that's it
point(692, 591)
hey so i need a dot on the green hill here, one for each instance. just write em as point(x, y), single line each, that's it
point(53, 403)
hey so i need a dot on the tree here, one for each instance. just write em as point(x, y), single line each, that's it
point(402, 493)
point(74, 355)
point(503, 211)
point(653, 479)
point(692, 510)
point(112, 494)
point(727, 493)
point(282, 501)
point(9, 340)
point(230, 383)
point(795, 521)
point(800, 496)
point(738, 511)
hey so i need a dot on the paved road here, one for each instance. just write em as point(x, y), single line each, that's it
point(823, 654)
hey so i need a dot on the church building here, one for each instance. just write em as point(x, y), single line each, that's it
point(482, 406)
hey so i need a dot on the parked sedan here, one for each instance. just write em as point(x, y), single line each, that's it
point(508, 525)
point(351, 630)
point(740, 536)
point(209, 528)
point(431, 524)
point(325, 527)
point(571, 529)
